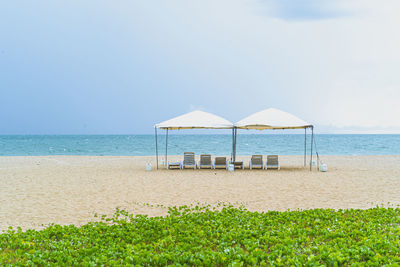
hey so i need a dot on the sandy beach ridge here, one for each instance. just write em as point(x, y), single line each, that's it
point(38, 190)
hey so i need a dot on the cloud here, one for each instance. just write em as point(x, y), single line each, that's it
point(331, 63)
point(304, 9)
point(355, 104)
point(343, 70)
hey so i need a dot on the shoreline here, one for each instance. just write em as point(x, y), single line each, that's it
point(64, 190)
point(212, 155)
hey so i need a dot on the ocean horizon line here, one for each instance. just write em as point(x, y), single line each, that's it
point(161, 155)
point(174, 133)
point(247, 144)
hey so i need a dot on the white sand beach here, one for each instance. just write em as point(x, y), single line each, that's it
point(36, 191)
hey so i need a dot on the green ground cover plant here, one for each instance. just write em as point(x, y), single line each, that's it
point(204, 236)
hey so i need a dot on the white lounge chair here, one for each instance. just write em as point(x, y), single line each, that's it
point(256, 161)
point(272, 162)
point(220, 162)
point(188, 160)
point(205, 161)
point(175, 164)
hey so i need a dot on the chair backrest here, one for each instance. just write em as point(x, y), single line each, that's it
point(205, 159)
point(188, 158)
point(272, 160)
point(220, 160)
point(257, 159)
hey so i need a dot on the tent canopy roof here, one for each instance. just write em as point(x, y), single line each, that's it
point(196, 120)
point(272, 118)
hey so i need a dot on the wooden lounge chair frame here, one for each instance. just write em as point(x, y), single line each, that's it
point(272, 162)
point(256, 161)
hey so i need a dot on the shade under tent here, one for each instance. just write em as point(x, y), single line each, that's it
point(266, 119)
point(273, 119)
point(193, 120)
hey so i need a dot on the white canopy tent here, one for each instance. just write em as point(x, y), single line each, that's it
point(273, 119)
point(193, 120)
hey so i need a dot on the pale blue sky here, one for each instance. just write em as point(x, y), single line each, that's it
point(118, 67)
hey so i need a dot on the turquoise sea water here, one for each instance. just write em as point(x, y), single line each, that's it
point(218, 144)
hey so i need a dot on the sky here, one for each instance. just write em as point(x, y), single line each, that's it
point(119, 67)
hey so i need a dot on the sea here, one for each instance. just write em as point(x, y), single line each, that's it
point(215, 144)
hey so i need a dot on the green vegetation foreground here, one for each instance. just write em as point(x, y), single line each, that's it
point(205, 236)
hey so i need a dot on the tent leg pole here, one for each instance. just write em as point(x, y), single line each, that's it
point(166, 148)
point(155, 135)
point(312, 140)
point(305, 146)
point(234, 156)
point(233, 143)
